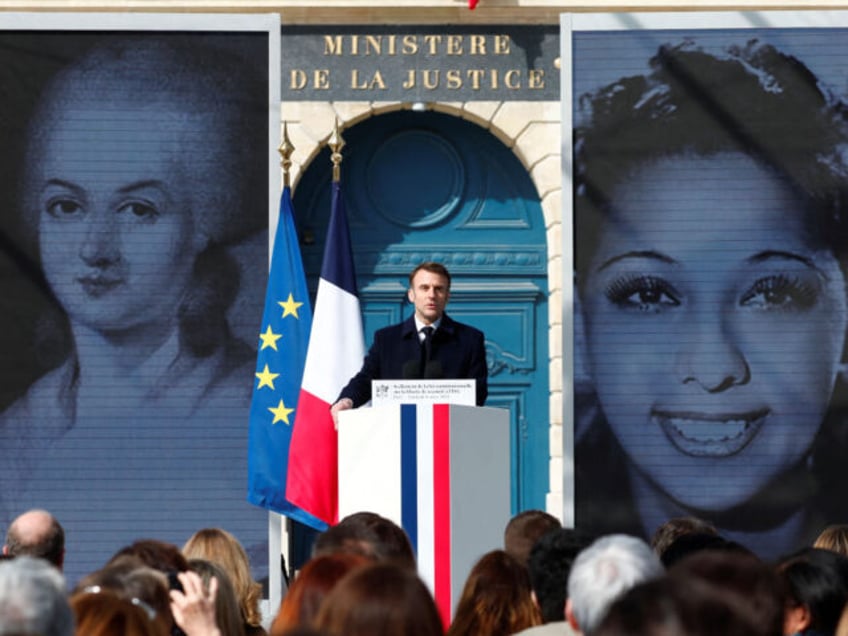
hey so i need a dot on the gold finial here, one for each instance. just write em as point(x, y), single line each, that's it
point(336, 144)
point(286, 149)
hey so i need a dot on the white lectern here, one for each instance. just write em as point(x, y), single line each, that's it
point(442, 472)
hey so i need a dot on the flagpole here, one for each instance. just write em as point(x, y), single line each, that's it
point(278, 532)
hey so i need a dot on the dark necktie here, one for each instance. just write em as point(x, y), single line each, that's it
point(426, 347)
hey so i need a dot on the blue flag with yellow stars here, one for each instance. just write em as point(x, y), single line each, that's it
point(283, 340)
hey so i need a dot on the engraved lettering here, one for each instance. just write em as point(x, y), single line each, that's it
point(478, 45)
point(409, 45)
point(536, 79)
point(432, 42)
point(322, 79)
point(373, 44)
point(512, 79)
point(332, 45)
point(297, 79)
point(475, 75)
point(501, 45)
point(454, 45)
point(430, 79)
point(409, 82)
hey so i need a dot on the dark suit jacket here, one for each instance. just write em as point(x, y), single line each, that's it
point(458, 352)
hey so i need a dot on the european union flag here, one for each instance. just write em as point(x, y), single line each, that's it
point(283, 342)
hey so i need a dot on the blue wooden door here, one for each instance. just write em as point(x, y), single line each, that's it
point(428, 186)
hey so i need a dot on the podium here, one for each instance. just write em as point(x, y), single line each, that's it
point(440, 471)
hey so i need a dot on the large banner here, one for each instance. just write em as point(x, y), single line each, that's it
point(709, 219)
point(137, 171)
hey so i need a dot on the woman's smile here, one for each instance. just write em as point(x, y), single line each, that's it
point(710, 434)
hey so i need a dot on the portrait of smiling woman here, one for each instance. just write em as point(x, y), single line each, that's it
point(145, 164)
point(711, 240)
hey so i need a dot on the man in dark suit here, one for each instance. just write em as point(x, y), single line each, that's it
point(427, 345)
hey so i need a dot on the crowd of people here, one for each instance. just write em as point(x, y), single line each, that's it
point(362, 580)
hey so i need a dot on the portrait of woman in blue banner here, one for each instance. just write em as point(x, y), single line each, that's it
point(144, 164)
point(711, 238)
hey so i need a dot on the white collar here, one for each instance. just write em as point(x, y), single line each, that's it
point(420, 325)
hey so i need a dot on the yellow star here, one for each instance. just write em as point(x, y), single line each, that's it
point(290, 307)
point(281, 413)
point(269, 339)
point(266, 378)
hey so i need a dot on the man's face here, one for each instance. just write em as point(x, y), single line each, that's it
point(429, 293)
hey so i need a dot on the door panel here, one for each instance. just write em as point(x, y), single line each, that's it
point(428, 186)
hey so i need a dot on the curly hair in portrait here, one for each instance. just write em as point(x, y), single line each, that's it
point(755, 144)
point(497, 598)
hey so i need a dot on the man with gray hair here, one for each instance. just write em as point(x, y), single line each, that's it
point(36, 533)
point(32, 599)
point(604, 571)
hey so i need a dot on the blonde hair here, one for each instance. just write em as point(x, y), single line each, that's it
point(833, 538)
point(221, 547)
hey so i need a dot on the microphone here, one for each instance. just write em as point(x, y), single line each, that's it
point(434, 371)
point(411, 370)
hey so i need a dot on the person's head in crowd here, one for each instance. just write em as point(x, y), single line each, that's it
point(104, 613)
point(221, 547)
point(816, 583)
point(604, 571)
point(668, 531)
point(370, 535)
point(227, 611)
point(159, 555)
point(549, 566)
point(309, 588)
point(833, 537)
point(691, 543)
point(142, 246)
point(380, 599)
point(36, 533)
point(496, 599)
point(523, 529)
point(665, 607)
point(33, 599)
point(128, 577)
point(733, 348)
point(749, 586)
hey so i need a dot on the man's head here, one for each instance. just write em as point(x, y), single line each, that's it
point(36, 533)
point(524, 529)
point(604, 571)
point(32, 599)
point(549, 564)
point(429, 291)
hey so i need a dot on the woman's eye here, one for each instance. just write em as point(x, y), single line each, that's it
point(140, 210)
point(781, 292)
point(642, 293)
point(63, 208)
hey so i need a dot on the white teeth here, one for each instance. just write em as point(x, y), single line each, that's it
point(709, 431)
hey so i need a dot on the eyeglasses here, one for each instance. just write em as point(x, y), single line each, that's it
point(96, 589)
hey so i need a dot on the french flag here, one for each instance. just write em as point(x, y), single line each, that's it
point(335, 353)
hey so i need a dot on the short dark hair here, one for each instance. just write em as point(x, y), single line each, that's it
point(524, 529)
point(432, 267)
point(550, 564)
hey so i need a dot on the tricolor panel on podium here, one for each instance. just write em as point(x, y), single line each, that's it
point(442, 471)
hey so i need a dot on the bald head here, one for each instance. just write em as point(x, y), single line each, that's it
point(36, 533)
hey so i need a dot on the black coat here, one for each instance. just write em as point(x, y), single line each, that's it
point(458, 352)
